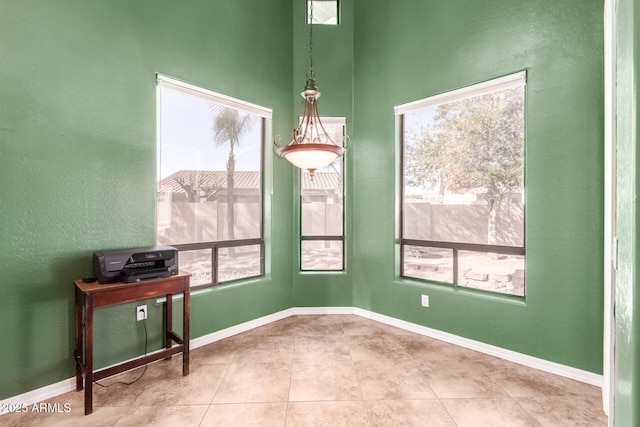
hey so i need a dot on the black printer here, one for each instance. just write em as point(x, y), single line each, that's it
point(135, 265)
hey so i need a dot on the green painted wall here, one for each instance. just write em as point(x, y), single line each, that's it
point(627, 350)
point(78, 160)
point(333, 66)
point(412, 49)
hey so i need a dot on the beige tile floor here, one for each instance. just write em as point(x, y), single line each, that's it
point(332, 370)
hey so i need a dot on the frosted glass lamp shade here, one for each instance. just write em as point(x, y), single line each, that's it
point(311, 156)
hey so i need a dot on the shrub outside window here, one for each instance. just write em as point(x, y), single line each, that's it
point(209, 183)
point(462, 203)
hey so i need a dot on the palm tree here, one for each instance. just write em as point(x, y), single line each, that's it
point(229, 126)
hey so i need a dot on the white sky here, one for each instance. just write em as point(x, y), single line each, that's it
point(187, 139)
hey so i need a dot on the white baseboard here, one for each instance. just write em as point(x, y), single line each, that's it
point(37, 395)
point(512, 356)
point(238, 329)
point(64, 386)
point(261, 321)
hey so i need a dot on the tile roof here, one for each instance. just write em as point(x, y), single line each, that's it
point(243, 179)
point(208, 178)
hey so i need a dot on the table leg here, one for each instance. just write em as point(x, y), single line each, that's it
point(185, 330)
point(168, 322)
point(88, 355)
point(77, 354)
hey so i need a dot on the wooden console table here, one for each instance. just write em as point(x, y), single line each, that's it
point(93, 295)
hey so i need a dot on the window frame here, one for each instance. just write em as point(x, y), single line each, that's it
point(265, 115)
point(514, 80)
point(327, 121)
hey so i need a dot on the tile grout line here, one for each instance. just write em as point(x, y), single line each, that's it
point(218, 388)
point(527, 412)
point(293, 350)
point(353, 363)
point(434, 392)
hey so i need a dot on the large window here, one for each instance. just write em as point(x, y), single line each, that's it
point(209, 187)
point(462, 177)
point(322, 210)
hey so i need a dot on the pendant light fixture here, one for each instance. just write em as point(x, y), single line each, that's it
point(311, 147)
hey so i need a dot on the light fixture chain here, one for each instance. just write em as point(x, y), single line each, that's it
point(311, 74)
point(311, 148)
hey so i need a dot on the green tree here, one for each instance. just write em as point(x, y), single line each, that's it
point(474, 143)
point(229, 126)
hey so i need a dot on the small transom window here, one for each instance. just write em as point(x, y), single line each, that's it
point(325, 12)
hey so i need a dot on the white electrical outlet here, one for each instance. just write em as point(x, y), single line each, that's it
point(141, 312)
point(425, 300)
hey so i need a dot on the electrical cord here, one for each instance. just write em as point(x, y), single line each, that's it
point(144, 323)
